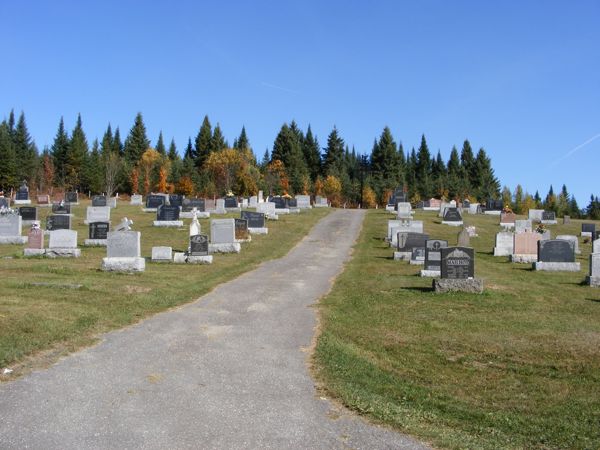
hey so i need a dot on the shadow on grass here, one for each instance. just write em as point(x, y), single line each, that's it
point(418, 288)
point(385, 257)
point(594, 300)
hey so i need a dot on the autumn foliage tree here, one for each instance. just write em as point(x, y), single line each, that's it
point(333, 190)
point(276, 178)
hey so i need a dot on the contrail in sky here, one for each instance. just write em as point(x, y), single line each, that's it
point(273, 86)
point(570, 152)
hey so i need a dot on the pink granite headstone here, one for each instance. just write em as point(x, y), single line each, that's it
point(526, 243)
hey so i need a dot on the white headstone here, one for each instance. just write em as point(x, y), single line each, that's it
point(123, 244)
point(253, 201)
point(10, 225)
point(522, 226)
point(136, 199)
point(504, 243)
point(195, 225)
point(98, 214)
point(536, 215)
point(222, 231)
point(596, 246)
point(63, 239)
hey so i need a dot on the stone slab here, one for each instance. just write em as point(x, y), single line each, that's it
point(123, 264)
point(417, 262)
point(19, 240)
point(162, 254)
point(34, 252)
point(22, 202)
point(233, 247)
point(557, 266)
point(168, 223)
point(431, 273)
point(258, 230)
point(523, 258)
point(402, 256)
point(492, 213)
point(95, 242)
point(150, 210)
point(452, 224)
point(470, 285)
point(182, 258)
point(199, 214)
point(62, 252)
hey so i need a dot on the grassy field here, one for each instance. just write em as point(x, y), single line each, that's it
point(515, 367)
point(40, 323)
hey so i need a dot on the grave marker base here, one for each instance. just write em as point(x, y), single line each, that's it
point(402, 256)
point(471, 285)
point(95, 242)
point(19, 240)
point(200, 215)
point(523, 259)
point(453, 224)
point(149, 210)
point(431, 273)
point(417, 262)
point(162, 254)
point(62, 253)
point(502, 251)
point(258, 230)
point(557, 266)
point(168, 223)
point(123, 264)
point(233, 247)
point(592, 281)
point(493, 213)
point(21, 202)
point(34, 251)
point(182, 258)
point(549, 222)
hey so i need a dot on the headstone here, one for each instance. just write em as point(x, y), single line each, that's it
point(61, 208)
point(504, 244)
point(588, 229)
point(71, 197)
point(292, 203)
point(111, 202)
point(162, 254)
point(403, 226)
point(199, 245)
point(267, 208)
point(566, 220)
point(466, 204)
point(556, 255)
point(123, 249)
point(4, 202)
point(99, 200)
point(255, 219)
point(63, 239)
point(231, 202)
point(153, 201)
point(222, 231)
point(535, 215)
point(494, 205)
point(241, 229)
point(43, 199)
point(404, 210)
point(260, 196)
point(474, 208)
point(521, 226)
point(28, 213)
point(136, 199)
point(280, 202)
point(593, 279)
point(464, 238)
point(408, 241)
point(321, 202)
point(571, 238)
point(303, 201)
point(220, 206)
point(190, 203)
point(176, 200)
point(452, 216)
point(22, 193)
point(525, 247)
point(417, 256)
point(596, 246)
point(167, 213)
point(209, 204)
point(433, 256)
point(549, 217)
point(253, 201)
point(98, 230)
point(507, 219)
point(35, 238)
point(11, 225)
point(58, 222)
point(97, 214)
point(457, 262)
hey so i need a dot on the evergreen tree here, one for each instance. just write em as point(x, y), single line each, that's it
point(94, 169)
point(385, 162)
point(203, 142)
point(287, 148)
point(107, 142)
point(137, 142)
point(11, 123)
point(593, 209)
point(25, 151)
point(411, 174)
point(312, 154)
point(456, 176)
point(76, 157)
point(173, 151)
point(8, 159)
point(538, 200)
point(242, 142)
point(574, 210)
point(333, 158)
point(486, 182)
point(439, 175)
point(189, 151)
point(519, 199)
point(266, 159)
point(550, 200)
point(562, 202)
point(60, 151)
point(218, 142)
point(467, 161)
point(117, 144)
point(423, 170)
point(160, 145)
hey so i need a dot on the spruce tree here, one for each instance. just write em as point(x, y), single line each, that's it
point(137, 142)
point(11, 123)
point(106, 146)
point(218, 142)
point(423, 170)
point(117, 144)
point(25, 151)
point(94, 169)
point(173, 151)
point(265, 160)
point(203, 143)
point(456, 175)
point(189, 150)
point(312, 154)
point(334, 153)
point(76, 157)
point(519, 199)
point(467, 161)
point(60, 151)
point(160, 145)
point(439, 175)
point(8, 160)
point(242, 143)
point(487, 185)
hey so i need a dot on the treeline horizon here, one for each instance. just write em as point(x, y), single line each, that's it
point(297, 164)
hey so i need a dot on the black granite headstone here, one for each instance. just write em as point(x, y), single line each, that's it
point(71, 197)
point(588, 228)
point(61, 208)
point(556, 250)
point(154, 201)
point(292, 203)
point(99, 200)
point(241, 228)
point(167, 213)
point(494, 205)
point(466, 203)
point(231, 202)
point(176, 200)
point(23, 192)
point(433, 253)
point(99, 230)
point(190, 203)
point(548, 215)
point(458, 262)
point(407, 241)
point(452, 215)
point(418, 254)
point(255, 219)
point(199, 245)
point(4, 202)
point(28, 213)
point(58, 222)
point(280, 202)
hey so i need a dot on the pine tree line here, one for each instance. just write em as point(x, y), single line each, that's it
point(296, 164)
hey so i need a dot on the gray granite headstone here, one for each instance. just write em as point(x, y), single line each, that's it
point(464, 239)
point(97, 214)
point(433, 253)
point(222, 231)
point(521, 226)
point(167, 213)
point(63, 239)
point(123, 244)
point(10, 225)
point(28, 212)
point(99, 230)
point(154, 201)
point(199, 245)
point(408, 241)
point(58, 222)
point(504, 244)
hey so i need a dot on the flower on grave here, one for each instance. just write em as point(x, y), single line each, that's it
point(5, 211)
point(229, 194)
point(507, 209)
point(541, 228)
point(286, 195)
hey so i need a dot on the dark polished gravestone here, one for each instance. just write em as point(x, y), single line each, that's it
point(58, 222)
point(292, 203)
point(190, 203)
point(231, 202)
point(255, 219)
point(417, 256)
point(433, 254)
point(457, 262)
point(176, 200)
point(241, 229)
point(167, 213)
point(99, 200)
point(22, 193)
point(154, 201)
point(494, 205)
point(28, 213)
point(588, 229)
point(71, 197)
point(548, 216)
point(556, 255)
point(280, 202)
point(61, 208)
point(408, 241)
point(199, 245)
point(452, 216)
point(99, 230)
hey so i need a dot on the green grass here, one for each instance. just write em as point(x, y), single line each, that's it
point(515, 367)
point(36, 321)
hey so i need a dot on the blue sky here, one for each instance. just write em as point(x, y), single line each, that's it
point(521, 79)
